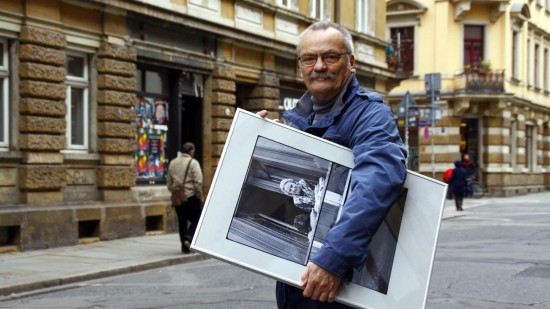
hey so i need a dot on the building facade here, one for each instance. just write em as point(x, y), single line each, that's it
point(494, 101)
point(97, 96)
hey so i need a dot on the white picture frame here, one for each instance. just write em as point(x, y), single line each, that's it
point(248, 221)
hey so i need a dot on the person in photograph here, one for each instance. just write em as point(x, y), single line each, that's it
point(307, 198)
point(336, 108)
point(185, 171)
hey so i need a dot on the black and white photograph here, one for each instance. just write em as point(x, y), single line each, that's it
point(280, 201)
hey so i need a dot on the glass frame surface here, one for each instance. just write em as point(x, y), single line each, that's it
point(419, 217)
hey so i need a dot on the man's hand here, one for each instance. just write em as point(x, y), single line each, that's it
point(319, 284)
point(263, 114)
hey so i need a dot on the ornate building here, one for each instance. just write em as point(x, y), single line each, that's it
point(97, 96)
point(494, 103)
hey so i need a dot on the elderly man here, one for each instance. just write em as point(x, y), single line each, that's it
point(185, 172)
point(336, 108)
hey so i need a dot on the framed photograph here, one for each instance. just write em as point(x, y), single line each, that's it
point(278, 191)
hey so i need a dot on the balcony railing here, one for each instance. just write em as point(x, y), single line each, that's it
point(480, 82)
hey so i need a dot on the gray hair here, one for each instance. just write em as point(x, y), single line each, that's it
point(187, 147)
point(324, 25)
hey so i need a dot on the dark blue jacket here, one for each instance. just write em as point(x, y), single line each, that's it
point(365, 124)
point(458, 182)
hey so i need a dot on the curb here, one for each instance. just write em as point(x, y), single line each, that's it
point(8, 292)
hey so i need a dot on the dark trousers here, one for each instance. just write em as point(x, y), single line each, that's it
point(289, 297)
point(459, 197)
point(189, 211)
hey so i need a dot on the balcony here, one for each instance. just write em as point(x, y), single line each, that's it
point(477, 81)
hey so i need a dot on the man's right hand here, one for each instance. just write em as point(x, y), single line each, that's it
point(263, 114)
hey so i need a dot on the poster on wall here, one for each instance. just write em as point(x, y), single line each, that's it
point(151, 122)
point(278, 191)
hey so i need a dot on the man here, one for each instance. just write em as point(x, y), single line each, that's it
point(307, 198)
point(303, 195)
point(458, 184)
point(469, 166)
point(184, 171)
point(336, 108)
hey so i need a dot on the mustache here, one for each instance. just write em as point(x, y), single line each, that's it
point(323, 75)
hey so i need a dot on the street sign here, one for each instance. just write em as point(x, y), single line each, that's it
point(407, 112)
point(433, 86)
point(425, 115)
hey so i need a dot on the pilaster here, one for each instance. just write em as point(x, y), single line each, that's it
point(116, 67)
point(223, 108)
point(42, 110)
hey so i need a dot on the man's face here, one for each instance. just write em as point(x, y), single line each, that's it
point(292, 187)
point(325, 81)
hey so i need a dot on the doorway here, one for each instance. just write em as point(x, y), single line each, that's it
point(469, 139)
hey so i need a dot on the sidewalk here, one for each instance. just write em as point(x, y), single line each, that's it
point(31, 270)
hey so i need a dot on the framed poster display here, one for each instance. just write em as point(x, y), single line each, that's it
point(275, 195)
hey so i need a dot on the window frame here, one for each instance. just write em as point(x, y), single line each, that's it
point(4, 84)
point(317, 6)
point(80, 82)
point(516, 37)
point(365, 18)
point(409, 50)
point(528, 59)
point(287, 5)
point(537, 65)
point(482, 48)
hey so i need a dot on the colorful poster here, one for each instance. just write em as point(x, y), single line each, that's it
point(151, 132)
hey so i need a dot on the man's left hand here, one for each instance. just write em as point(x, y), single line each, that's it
point(319, 284)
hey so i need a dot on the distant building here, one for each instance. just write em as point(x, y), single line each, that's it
point(97, 96)
point(494, 61)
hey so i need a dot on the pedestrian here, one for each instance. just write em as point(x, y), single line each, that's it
point(446, 177)
point(336, 108)
point(185, 171)
point(469, 166)
point(458, 184)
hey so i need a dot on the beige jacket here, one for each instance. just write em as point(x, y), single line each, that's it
point(176, 172)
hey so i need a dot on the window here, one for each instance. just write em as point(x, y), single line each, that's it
point(317, 9)
point(403, 43)
point(77, 101)
point(537, 65)
point(545, 68)
point(528, 62)
point(515, 55)
point(4, 98)
point(364, 18)
point(285, 3)
point(474, 41)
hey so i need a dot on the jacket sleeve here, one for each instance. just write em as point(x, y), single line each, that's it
point(376, 182)
point(197, 178)
point(169, 178)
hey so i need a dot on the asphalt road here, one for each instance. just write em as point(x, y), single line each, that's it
point(496, 255)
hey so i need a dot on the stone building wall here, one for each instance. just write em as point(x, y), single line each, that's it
point(42, 124)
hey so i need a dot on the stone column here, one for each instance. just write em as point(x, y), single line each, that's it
point(116, 97)
point(265, 95)
point(223, 108)
point(42, 109)
point(496, 152)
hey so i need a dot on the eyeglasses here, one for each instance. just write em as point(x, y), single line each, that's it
point(309, 60)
